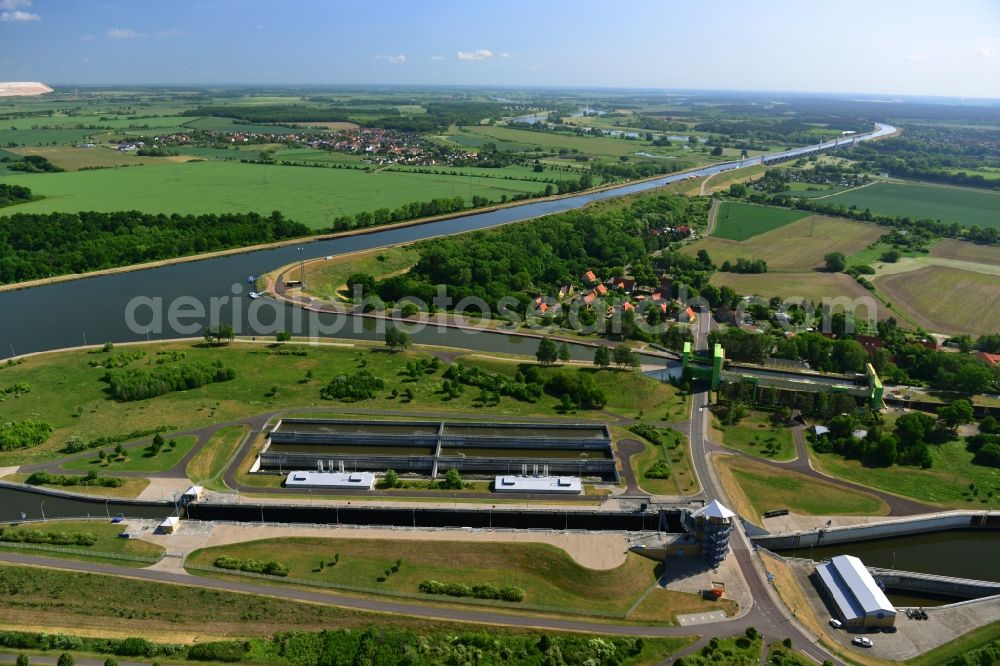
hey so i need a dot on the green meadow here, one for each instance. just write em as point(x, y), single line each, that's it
point(313, 196)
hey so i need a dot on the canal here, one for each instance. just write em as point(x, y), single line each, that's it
point(93, 309)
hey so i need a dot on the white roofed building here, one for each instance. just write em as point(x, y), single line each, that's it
point(855, 595)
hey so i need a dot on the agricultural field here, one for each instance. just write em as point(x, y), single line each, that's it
point(740, 221)
point(962, 251)
point(795, 247)
point(311, 196)
point(755, 487)
point(72, 158)
point(814, 286)
point(947, 203)
point(944, 299)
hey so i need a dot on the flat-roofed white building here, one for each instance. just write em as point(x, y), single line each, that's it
point(858, 599)
point(566, 485)
point(337, 480)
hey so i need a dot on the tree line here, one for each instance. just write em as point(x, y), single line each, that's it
point(38, 245)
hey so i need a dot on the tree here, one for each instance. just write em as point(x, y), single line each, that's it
point(547, 352)
point(283, 336)
point(848, 356)
point(717, 151)
point(65, 659)
point(564, 354)
point(391, 479)
point(363, 283)
point(624, 357)
point(836, 262)
point(602, 357)
point(955, 414)
point(452, 480)
point(110, 661)
point(395, 338)
point(216, 334)
point(22, 660)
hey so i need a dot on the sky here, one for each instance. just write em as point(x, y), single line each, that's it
point(895, 47)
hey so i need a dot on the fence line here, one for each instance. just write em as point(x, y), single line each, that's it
point(23, 545)
point(405, 595)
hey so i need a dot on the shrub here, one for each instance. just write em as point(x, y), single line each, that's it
point(361, 385)
point(269, 567)
point(128, 384)
point(659, 470)
point(23, 434)
point(482, 591)
point(225, 651)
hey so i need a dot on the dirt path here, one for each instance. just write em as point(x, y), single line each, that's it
point(713, 215)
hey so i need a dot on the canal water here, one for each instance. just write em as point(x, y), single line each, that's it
point(93, 309)
point(971, 554)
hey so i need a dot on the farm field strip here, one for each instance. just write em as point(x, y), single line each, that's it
point(920, 200)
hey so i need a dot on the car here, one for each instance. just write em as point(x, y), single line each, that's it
point(862, 641)
point(836, 624)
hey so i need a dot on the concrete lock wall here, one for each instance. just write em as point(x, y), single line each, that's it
point(866, 532)
point(944, 585)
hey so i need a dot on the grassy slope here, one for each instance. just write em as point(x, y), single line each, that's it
point(918, 200)
point(107, 542)
point(311, 196)
point(547, 574)
point(210, 462)
point(757, 488)
point(325, 279)
point(739, 221)
point(61, 382)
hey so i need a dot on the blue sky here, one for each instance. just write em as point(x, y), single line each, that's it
point(898, 47)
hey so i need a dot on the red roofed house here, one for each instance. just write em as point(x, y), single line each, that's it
point(589, 277)
point(588, 299)
point(600, 290)
point(869, 342)
point(623, 283)
point(993, 359)
point(627, 307)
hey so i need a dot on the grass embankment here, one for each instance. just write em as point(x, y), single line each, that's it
point(328, 279)
point(754, 488)
point(663, 605)
point(209, 464)
point(946, 483)
point(739, 221)
point(755, 435)
point(136, 459)
point(131, 487)
point(548, 576)
point(108, 542)
point(68, 393)
point(90, 604)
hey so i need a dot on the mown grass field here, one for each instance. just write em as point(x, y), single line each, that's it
point(135, 459)
point(208, 465)
point(814, 286)
point(677, 455)
point(71, 158)
point(131, 486)
point(548, 576)
point(69, 394)
point(108, 542)
point(920, 200)
point(756, 436)
point(946, 483)
point(945, 300)
point(313, 196)
point(798, 246)
point(662, 604)
point(740, 221)
point(755, 488)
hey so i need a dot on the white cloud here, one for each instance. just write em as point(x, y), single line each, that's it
point(478, 54)
point(504, 55)
point(123, 33)
point(88, 37)
point(986, 52)
point(14, 4)
point(437, 57)
point(18, 16)
point(917, 57)
point(394, 59)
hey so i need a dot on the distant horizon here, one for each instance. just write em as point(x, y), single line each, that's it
point(860, 96)
point(912, 48)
